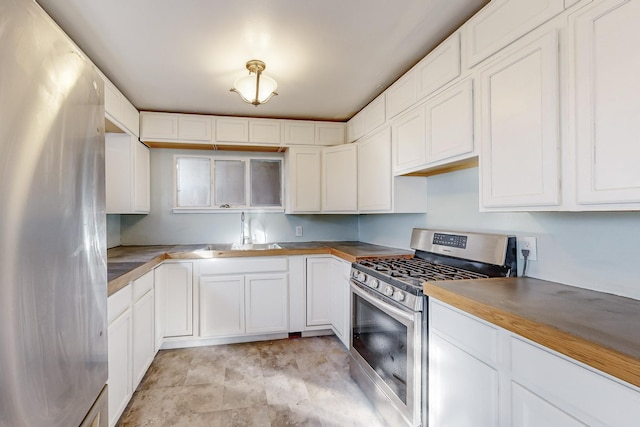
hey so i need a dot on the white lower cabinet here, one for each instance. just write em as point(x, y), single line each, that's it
point(239, 304)
point(174, 282)
point(143, 336)
point(483, 375)
point(318, 280)
point(339, 306)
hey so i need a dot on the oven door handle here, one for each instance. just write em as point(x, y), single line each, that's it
point(403, 314)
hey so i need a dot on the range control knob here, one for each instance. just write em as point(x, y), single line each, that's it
point(361, 277)
point(388, 291)
point(373, 283)
point(398, 296)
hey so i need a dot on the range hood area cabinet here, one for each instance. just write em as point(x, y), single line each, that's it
point(127, 175)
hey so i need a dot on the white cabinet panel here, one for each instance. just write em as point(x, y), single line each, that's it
point(401, 95)
point(463, 391)
point(221, 305)
point(158, 126)
point(304, 183)
point(194, 128)
point(328, 133)
point(119, 360)
point(318, 291)
point(355, 127)
point(502, 22)
point(375, 190)
point(143, 336)
point(118, 110)
point(374, 114)
point(231, 129)
point(127, 174)
point(339, 304)
point(176, 304)
point(449, 122)
point(529, 410)
point(439, 67)
point(519, 161)
point(408, 141)
point(298, 132)
point(607, 103)
point(265, 131)
point(266, 303)
point(340, 179)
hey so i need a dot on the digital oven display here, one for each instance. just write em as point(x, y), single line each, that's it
point(451, 240)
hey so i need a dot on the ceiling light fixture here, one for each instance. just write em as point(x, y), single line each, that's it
point(255, 88)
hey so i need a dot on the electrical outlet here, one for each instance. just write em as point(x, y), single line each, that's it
point(298, 231)
point(530, 244)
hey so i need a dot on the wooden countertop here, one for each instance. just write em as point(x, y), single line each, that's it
point(598, 329)
point(127, 263)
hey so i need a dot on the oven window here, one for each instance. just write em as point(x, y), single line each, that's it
point(382, 341)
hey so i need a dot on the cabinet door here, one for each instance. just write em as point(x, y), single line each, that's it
point(143, 348)
point(502, 22)
point(119, 360)
point(519, 161)
point(304, 179)
point(130, 117)
point(355, 127)
point(266, 303)
point(194, 128)
point(528, 409)
point(231, 129)
point(158, 126)
point(374, 114)
point(401, 95)
point(339, 307)
point(607, 102)
point(141, 178)
point(374, 172)
point(329, 133)
point(441, 66)
point(408, 136)
point(176, 284)
point(221, 306)
point(449, 123)
point(463, 391)
point(340, 179)
point(265, 131)
point(299, 132)
point(318, 291)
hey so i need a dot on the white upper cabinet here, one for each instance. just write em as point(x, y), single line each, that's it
point(329, 133)
point(368, 119)
point(519, 158)
point(160, 127)
point(502, 22)
point(299, 132)
point(449, 122)
point(304, 179)
point(127, 175)
point(409, 147)
point(401, 95)
point(118, 110)
point(438, 68)
point(194, 128)
point(232, 129)
point(355, 127)
point(340, 179)
point(265, 131)
point(374, 172)
point(607, 104)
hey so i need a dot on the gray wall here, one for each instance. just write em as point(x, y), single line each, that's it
point(594, 250)
point(162, 226)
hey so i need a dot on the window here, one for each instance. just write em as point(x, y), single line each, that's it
point(205, 183)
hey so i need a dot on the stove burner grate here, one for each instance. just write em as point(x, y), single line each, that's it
point(417, 270)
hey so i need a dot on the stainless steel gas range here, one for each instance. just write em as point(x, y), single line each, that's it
point(389, 323)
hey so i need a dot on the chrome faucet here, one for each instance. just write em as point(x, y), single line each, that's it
point(245, 239)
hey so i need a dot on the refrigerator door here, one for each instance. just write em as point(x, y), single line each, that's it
point(53, 281)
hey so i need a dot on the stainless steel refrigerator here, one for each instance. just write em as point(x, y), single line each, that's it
point(53, 277)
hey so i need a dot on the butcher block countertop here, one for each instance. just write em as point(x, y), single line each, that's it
point(598, 329)
point(127, 263)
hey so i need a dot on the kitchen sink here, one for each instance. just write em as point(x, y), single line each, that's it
point(242, 247)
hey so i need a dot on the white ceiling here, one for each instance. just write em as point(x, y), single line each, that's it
point(329, 57)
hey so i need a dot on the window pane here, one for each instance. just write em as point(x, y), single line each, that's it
point(266, 184)
point(229, 182)
point(193, 182)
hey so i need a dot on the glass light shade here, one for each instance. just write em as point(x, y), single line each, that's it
point(246, 87)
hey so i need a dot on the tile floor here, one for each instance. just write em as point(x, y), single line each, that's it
point(291, 382)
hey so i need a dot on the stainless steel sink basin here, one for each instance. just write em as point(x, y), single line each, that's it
point(244, 247)
point(254, 246)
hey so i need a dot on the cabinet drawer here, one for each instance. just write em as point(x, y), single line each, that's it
point(142, 285)
point(579, 391)
point(118, 302)
point(243, 265)
point(472, 335)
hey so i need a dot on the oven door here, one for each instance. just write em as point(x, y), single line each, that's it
point(386, 344)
